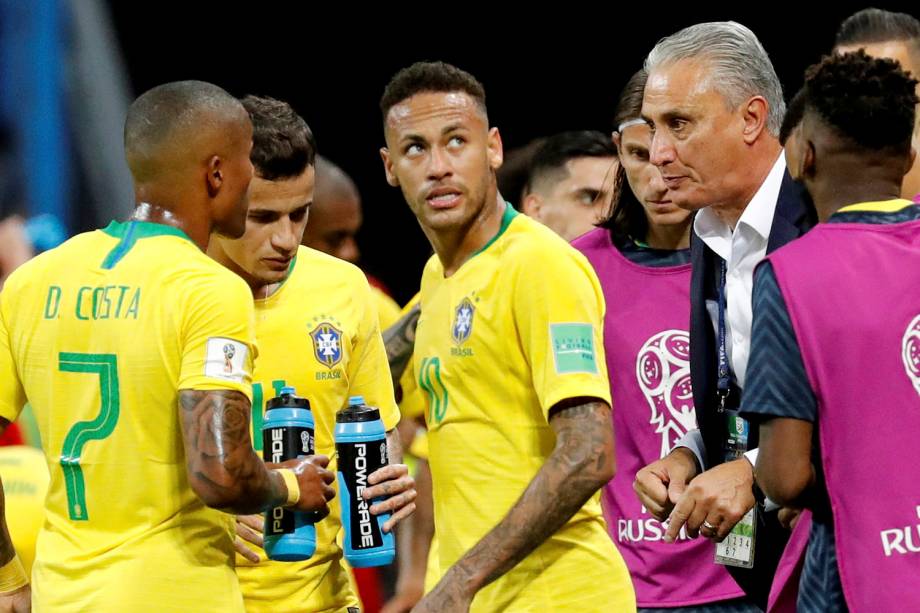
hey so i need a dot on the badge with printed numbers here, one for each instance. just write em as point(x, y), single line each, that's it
point(738, 547)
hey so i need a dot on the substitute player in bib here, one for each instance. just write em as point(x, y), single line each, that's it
point(128, 340)
point(642, 258)
point(835, 346)
point(316, 324)
point(509, 352)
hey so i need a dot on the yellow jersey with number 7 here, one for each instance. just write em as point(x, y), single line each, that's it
point(99, 335)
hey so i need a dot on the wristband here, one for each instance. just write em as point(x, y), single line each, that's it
point(293, 488)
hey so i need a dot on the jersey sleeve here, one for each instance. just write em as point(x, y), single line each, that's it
point(558, 312)
point(218, 336)
point(388, 311)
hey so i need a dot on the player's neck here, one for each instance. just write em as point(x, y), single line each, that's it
point(264, 290)
point(669, 237)
point(259, 288)
point(455, 246)
point(196, 229)
point(874, 184)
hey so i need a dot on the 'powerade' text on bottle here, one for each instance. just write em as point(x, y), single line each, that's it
point(287, 433)
point(361, 447)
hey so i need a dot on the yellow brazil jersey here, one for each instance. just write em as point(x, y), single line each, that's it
point(510, 334)
point(318, 333)
point(25, 483)
point(99, 335)
point(388, 311)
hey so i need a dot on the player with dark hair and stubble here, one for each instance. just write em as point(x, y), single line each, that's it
point(570, 184)
point(508, 352)
point(317, 331)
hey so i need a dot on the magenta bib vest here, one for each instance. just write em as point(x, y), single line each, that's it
point(648, 359)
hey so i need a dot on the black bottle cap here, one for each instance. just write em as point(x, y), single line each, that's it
point(287, 399)
point(357, 413)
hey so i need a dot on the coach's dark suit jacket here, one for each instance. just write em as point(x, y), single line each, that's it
point(794, 216)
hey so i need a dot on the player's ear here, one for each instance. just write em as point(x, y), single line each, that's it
point(531, 204)
point(496, 149)
point(388, 167)
point(215, 176)
point(808, 159)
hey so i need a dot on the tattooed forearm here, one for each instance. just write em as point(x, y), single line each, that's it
point(223, 469)
point(399, 340)
point(581, 463)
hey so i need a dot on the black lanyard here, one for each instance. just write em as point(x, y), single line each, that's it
point(724, 383)
point(737, 428)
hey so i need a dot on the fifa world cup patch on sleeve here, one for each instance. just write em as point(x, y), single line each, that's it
point(226, 359)
point(573, 348)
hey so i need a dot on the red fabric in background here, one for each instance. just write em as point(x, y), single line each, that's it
point(11, 436)
point(369, 589)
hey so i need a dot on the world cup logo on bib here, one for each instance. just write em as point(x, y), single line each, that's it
point(229, 352)
point(910, 352)
point(663, 372)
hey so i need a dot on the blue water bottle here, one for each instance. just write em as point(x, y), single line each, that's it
point(361, 447)
point(287, 433)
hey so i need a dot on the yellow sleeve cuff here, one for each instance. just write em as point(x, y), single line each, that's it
point(12, 576)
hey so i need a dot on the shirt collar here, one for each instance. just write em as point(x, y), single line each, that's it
point(757, 215)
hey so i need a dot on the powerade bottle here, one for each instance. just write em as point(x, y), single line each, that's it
point(287, 433)
point(361, 447)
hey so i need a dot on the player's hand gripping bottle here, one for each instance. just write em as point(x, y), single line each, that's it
point(287, 434)
point(361, 447)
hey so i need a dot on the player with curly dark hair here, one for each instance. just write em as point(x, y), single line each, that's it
point(834, 374)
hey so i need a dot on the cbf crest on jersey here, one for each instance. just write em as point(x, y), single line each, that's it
point(463, 321)
point(327, 344)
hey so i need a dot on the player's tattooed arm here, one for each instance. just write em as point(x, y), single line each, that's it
point(581, 463)
point(399, 340)
point(223, 469)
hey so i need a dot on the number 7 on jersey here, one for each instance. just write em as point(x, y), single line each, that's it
point(105, 367)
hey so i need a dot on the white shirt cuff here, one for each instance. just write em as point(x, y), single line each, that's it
point(693, 440)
